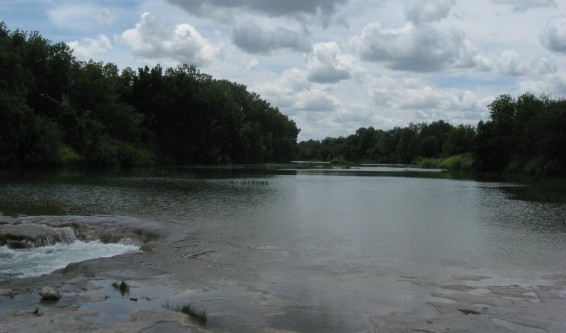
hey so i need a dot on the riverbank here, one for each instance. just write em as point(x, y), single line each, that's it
point(89, 302)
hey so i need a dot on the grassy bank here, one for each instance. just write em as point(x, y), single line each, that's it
point(456, 163)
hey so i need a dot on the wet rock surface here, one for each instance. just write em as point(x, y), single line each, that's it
point(72, 321)
point(80, 297)
point(28, 235)
point(178, 263)
point(49, 294)
point(28, 232)
point(484, 305)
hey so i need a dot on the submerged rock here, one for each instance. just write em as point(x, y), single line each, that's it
point(49, 294)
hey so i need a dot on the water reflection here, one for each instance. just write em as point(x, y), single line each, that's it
point(538, 193)
point(317, 250)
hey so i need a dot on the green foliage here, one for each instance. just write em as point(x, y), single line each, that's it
point(399, 145)
point(198, 316)
point(554, 168)
point(55, 110)
point(458, 163)
point(122, 287)
point(455, 163)
point(460, 140)
point(310, 150)
point(532, 167)
point(428, 162)
point(432, 137)
point(58, 111)
point(526, 135)
point(340, 162)
point(68, 156)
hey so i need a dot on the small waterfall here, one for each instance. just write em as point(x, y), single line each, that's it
point(48, 236)
point(35, 261)
point(34, 235)
point(32, 248)
point(66, 235)
point(23, 236)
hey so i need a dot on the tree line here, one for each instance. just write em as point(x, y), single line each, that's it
point(55, 110)
point(400, 145)
point(525, 135)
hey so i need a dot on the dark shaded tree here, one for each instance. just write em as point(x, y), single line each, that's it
point(56, 110)
point(460, 140)
point(525, 135)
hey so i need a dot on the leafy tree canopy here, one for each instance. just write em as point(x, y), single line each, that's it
point(523, 135)
point(56, 110)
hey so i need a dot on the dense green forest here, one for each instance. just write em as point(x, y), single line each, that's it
point(526, 135)
point(55, 110)
point(398, 145)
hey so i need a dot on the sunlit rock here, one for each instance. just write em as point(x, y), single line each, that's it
point(49, 294)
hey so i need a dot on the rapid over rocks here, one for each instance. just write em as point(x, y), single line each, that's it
point(31, 232)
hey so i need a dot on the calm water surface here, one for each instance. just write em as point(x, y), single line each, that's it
point(318, 250)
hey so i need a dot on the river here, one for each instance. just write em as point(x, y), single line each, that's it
point(318, 250)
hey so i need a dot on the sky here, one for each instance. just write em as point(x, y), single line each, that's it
point(332, 66)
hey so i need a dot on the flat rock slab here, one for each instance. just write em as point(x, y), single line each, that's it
point(66, 320)
point(26, 230)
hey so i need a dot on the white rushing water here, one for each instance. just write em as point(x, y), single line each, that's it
point(45, 259)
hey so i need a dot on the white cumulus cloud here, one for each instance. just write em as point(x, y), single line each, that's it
point(88, 48)
point(254, 39)
point(327, 64)
point(419, 49)
point(422, 11)
point(552, 85)
point(306, 11)
point(423, 100)
point(294, 92)
point(524, 5)
point(150, 39)
point(81, 17)
point(251, 64)
point(105, 16)
point(553, 36)
point(316, 100)
point(512, 63)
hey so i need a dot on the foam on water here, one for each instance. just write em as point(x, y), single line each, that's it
point(45, 259)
